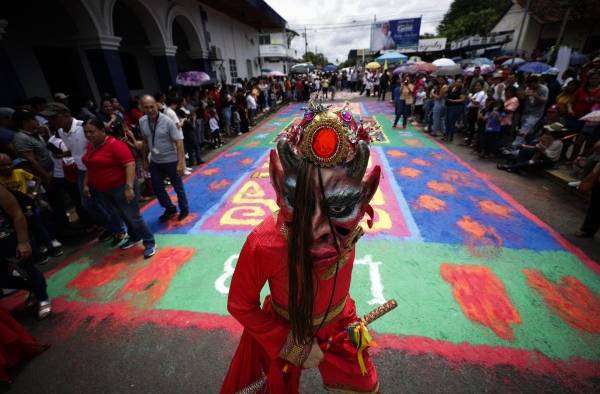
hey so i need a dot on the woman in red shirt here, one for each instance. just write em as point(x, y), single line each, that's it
point(586, 97)
point(110, 177)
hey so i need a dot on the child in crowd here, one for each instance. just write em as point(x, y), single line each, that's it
point(491, 132)
point(482, 118)
point(419, 102)
point(213, 125)
point(25, 187)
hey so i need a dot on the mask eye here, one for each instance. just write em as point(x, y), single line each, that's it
point(337, 210)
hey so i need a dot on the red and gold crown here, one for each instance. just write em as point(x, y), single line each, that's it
point(328, 138)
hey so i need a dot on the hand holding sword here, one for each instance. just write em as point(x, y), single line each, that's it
point(353, 331)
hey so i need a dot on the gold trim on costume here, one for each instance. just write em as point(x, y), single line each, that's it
point(294, 352)
point(282, 228)
point(333, 312)
point(346, 390)
point(330, 272)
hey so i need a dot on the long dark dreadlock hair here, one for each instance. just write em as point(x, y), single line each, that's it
point(300, 264)
point(301, 281)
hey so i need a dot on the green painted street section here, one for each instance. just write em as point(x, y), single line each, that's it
point(265, 135)
point(406, 271)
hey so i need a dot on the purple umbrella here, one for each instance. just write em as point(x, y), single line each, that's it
point(401, 69)
point(192, 78)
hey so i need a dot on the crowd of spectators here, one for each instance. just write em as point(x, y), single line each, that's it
point(524, 121)
point(68, 171)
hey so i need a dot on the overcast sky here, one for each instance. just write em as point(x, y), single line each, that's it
point(321, 17)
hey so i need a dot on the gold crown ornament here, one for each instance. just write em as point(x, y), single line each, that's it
point(329, 138)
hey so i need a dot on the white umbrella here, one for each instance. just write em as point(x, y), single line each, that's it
point(510, 62)
point(448, 70)
point(593, 116)
point(444, 62)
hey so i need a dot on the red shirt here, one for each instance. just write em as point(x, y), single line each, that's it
point(132, 117)
point(584, 100)
point(105, 164)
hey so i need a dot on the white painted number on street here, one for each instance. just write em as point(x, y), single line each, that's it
point(222, 285)
point(375, 277)
point(221, 282)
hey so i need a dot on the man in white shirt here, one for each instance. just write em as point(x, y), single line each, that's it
point(70, 130)
point(382, 38)
point(167, 157)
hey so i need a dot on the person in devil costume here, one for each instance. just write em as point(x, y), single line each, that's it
point(305, 252)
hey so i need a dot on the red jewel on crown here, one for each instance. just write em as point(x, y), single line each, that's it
point(325, 142)
point(329, 138)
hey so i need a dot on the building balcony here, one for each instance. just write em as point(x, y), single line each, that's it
point(271, 50)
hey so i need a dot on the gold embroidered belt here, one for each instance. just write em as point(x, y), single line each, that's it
point(333, 312)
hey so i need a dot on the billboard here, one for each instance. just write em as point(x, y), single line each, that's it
point(426, 45)
point(396, 33)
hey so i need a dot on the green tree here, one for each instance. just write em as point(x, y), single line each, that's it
point(317, 59)
point(467, 17)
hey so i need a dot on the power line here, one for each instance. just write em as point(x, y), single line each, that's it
point(358, 26)
point(382, 17)
point(366, 22)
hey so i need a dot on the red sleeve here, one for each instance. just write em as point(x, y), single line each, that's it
point(249, 277)
point(121, 152)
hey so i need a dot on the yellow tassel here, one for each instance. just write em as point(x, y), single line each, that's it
point(363, 340)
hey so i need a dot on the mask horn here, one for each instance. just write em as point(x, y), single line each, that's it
point(357, 167)
point(289, 160)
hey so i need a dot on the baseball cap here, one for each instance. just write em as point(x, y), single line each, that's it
point(53, 109)
point(60, 96)
point(6, 112)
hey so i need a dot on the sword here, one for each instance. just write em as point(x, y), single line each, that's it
point(367, 319)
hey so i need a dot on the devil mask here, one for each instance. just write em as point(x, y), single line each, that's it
point(319, 175)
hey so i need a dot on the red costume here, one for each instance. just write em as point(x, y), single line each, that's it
point(267, 347)
point(16, 345)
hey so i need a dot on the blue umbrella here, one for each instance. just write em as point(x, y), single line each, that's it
point(534, 67)
point(330, 68)
point(482, 60)
point(391, 57)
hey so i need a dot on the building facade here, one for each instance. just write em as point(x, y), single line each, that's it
point(276, 53)
point(86, 48)
point(541, 26)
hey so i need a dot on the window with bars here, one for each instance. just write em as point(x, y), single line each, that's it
point(233, 69)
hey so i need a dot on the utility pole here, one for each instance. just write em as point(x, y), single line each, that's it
point(305, 42)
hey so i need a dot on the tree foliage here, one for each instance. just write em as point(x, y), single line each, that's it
point(317, 59)
point(468, 17)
